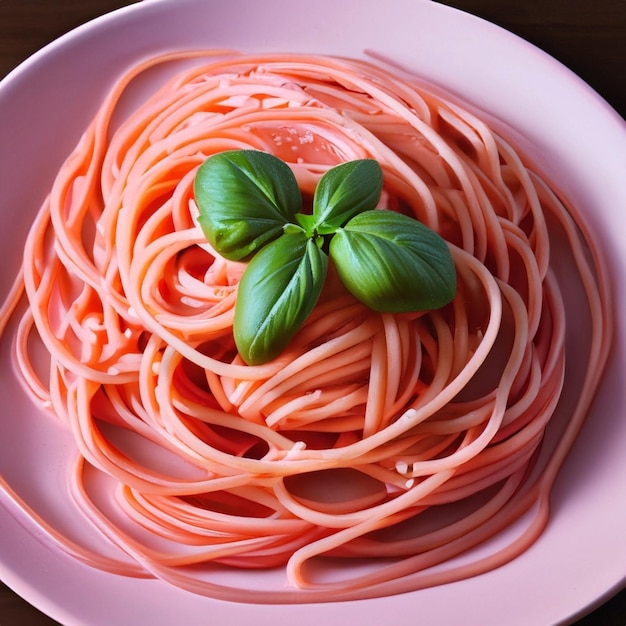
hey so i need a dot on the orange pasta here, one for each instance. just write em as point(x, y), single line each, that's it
point(386, 445)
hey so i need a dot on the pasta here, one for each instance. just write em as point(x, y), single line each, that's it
point(385, 445)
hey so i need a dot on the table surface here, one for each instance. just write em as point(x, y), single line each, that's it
point(588, 37)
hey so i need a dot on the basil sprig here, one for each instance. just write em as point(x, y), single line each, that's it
point(251, 210)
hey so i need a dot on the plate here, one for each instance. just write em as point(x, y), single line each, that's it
point(579, 141)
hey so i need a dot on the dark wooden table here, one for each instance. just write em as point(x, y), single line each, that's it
point(589, 36)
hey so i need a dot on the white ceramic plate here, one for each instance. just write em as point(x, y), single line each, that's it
point(577, 137)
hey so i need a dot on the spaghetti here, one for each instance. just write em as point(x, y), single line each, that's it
point(399, 442)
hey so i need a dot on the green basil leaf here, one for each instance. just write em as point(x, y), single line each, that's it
point(245, 198)
point(277, 292)
point(344, 191)
point(393, 263)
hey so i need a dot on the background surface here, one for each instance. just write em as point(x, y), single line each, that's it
point(588, 36)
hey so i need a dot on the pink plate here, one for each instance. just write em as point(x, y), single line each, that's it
point(578, 139)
